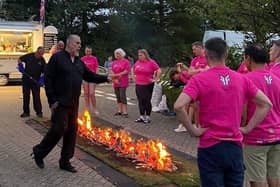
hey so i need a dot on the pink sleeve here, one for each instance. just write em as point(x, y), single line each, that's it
point(82, 58)
point(191, 89)
point(127, 66)
point(155, 65)
point(193, 63)
point(96, 60)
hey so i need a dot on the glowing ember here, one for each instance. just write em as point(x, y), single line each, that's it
point(149, 154)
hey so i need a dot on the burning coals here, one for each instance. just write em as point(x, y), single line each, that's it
point(147, 154)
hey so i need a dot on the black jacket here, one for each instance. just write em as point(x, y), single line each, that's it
point(63, 79)
point(34, 67)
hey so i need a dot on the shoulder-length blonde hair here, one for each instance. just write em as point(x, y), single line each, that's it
point(145, 53)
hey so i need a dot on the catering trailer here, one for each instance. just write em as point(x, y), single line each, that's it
point(17, 39)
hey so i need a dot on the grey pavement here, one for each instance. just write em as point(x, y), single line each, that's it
point(16, 166)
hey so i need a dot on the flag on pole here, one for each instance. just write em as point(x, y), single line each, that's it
point(42, 12)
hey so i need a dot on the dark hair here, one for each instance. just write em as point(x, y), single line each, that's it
point(172, 73)
point(200, 44)
point(257, 53)
point(216, 49)
point(40, 48)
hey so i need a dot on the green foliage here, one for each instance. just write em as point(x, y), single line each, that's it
point(234, 58)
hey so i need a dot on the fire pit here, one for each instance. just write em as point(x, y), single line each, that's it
point(148, 154)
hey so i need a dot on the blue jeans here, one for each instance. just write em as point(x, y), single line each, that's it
point(221, 165)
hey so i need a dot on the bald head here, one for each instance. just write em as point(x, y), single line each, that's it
point(73, 44)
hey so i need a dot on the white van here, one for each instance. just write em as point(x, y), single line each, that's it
point(17, 39)
point(233, 38)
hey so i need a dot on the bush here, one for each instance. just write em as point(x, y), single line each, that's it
point(234, 58)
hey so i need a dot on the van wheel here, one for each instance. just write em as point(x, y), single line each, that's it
point(3, 80)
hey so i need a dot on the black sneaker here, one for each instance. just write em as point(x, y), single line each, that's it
point(38, 161)
point(146, 121)
point(24, 115)
point(68, 167)
point(139, 120)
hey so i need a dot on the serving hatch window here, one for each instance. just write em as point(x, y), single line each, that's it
point(12, 43)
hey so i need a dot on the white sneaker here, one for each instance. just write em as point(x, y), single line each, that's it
point(180, 128)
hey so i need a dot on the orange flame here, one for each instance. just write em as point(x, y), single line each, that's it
point(150, 154)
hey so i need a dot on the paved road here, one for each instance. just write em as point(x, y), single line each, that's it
point(16, 166)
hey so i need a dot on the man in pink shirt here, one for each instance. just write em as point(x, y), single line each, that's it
point(199, 62)
point(221, 93)
point(262, 144)
point(274, 56)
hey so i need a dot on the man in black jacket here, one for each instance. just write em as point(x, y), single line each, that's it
point(63, 79)
point(34, 67)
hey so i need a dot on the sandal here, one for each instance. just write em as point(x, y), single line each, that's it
point(118, 114)
point(125, 115)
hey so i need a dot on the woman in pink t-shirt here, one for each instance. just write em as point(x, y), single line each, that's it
point(120, 70)
point(89, 88)
point(145, 72)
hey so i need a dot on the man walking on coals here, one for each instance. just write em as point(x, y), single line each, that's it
point(63, 79)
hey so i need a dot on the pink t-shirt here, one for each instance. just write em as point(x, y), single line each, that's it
point(91, 63)
point(199, 62)
point(222, 94)
point(144, 71)
point(269, 65)
point(268, 130)
point(119, 66)
point(242, 68)
point(184, 76)
point(275, 69)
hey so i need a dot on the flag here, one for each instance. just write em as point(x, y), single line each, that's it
point(42, 12)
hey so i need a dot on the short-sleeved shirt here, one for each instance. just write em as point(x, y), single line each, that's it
point(242, 68)
point(119, 66)
point(34, 67)
point(222, 94)
point(184, 76)
point(268, 131)
point(144, 71)
point(91, 62)
point(275, 69)
point(269, 65)
point(199, 62)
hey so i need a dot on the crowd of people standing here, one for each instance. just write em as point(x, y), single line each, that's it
point(236, 114)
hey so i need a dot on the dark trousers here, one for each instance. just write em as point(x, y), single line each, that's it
point(221, 165)
point(35, 89)
point(144, 95)
point(64, 123)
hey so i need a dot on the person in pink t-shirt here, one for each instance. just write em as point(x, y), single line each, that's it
point(221, 101)
point(242, 68)
point(145, 72)
point(120, 70)
point(262, 144)
point(199, 62)
point(89, 88)
point(274, 56)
